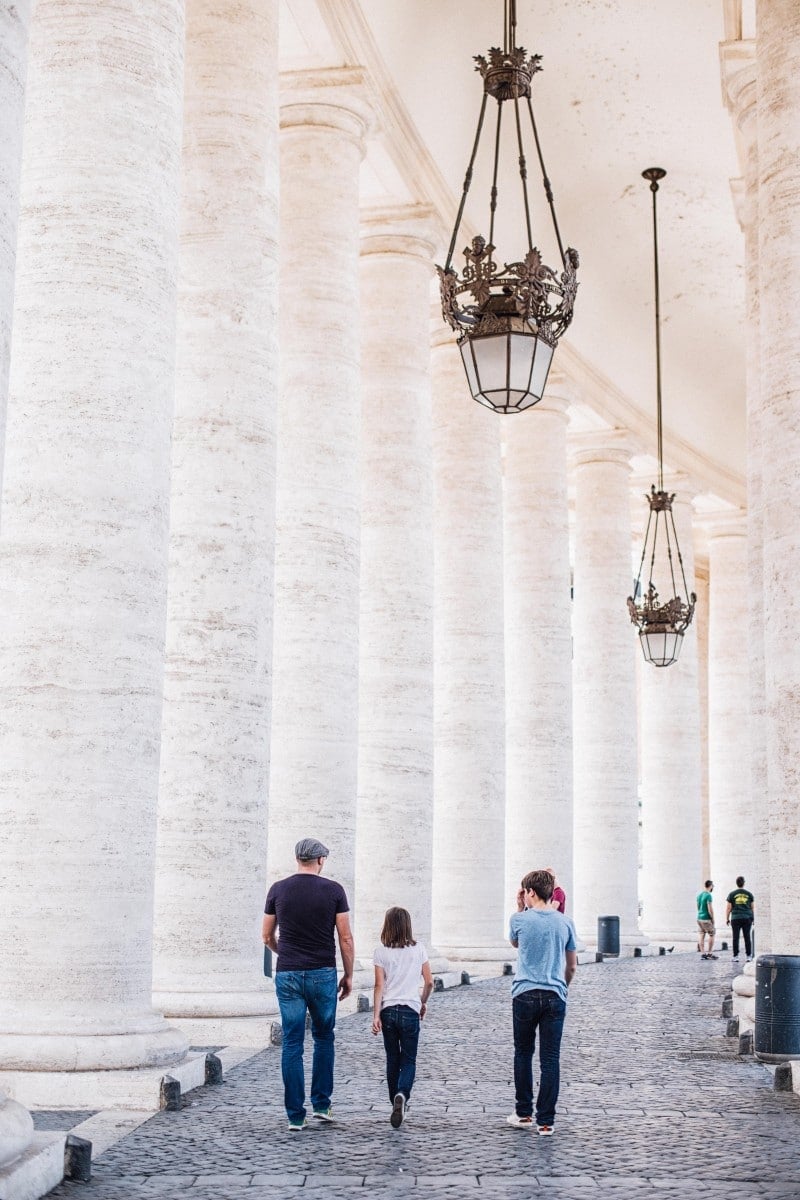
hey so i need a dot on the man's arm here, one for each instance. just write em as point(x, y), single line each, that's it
point(710, 907)
point(728, 909)
point(571, 963)
point(268, 926)
point(348, 951)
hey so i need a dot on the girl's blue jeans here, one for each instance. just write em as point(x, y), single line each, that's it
point(400, 1025)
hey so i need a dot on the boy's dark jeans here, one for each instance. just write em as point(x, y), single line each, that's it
point(400, 1025)
point(744, 926)
point(544, 1010)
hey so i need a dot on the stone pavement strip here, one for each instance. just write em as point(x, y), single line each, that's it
point(654, 1103)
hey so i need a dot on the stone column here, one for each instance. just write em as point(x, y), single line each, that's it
point(16, 1125)
point(211, 858)
point(538, 643)
point(732, 816)
point(778, 50)
point(84, 548)
point(395, 763)
point(14, 20)
point(741, 93)
point(324, 121)
point(672, 835)
point(604, 682)
point(469, 724)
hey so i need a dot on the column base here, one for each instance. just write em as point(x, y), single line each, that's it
point(137, 1089)
point(37, 1170)
point(16, 1130)
point(214, 1004)
point(153, 1044)
point(458, 955)
point(254, 1032)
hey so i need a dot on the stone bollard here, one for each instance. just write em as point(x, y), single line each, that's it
point(465, 979)
point(727, 1006)
point(598, 957)
point(508, 969)
point(213, 1069)
point(733, 1027)
point(782, 1081)
point(276, 1034)
point(169, 1095)
point(77, 1158)
point(363, 1002)
point(745, 1043)
point(724, 946)
point(438, 984)
point(637, 951)
point(662, 950)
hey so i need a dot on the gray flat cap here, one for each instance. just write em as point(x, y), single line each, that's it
point(309, 848)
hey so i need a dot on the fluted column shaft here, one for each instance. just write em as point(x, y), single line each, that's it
point(16, 1124)
point(395, 763)
point(324, 120)
point(732, 816)
point(215, 742)
point(604, 682)
point(469, 725)
point(84, 542)
point(672, 838)
point(538, 651)
point(778, 51)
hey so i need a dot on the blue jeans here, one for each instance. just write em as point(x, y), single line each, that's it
point(542, 1009)
point(315, 991)
point(400, 1025)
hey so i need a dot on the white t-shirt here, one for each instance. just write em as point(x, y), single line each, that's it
point(402, 967)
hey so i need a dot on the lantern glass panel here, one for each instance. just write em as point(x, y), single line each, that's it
point(523, 350)
point(469, 367)
point(491, 356)
point(541, 367)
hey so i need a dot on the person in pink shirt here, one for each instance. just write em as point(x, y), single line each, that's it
point(559, 897)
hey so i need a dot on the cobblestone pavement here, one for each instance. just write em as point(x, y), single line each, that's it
point(654, 1102)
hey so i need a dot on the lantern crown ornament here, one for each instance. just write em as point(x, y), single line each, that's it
point(509, 316)
point(661, 622)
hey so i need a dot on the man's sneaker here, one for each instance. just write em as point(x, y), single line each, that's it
point(323, 1114)
point(545, 1130)
point(710, 956)
point(519, 1122)
point(750, 957)
point(398, 1111)
point(735, 958)
point(296, 1126)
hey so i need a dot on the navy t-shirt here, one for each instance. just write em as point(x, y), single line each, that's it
point(306, 906)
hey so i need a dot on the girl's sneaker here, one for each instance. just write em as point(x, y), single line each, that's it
point(545, 1130)
point(398, 1111)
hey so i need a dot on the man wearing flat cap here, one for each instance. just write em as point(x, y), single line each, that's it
point(301, 915)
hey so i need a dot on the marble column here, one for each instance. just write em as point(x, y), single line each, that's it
point(395, 762)
point(732, 816)
point(84, 545)
point(14, 23)
point(538, 643)
point(778, 51)
point(606, 825)
point(16, 1124)
point(741, 93)
point(469, 723)
point(672, 835)
point(212, 821)
point(324, 121)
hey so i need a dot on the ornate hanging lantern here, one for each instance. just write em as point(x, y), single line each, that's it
point(509, 318)
point(661, 623)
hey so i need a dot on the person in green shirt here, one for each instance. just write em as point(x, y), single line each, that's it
point(705, 920)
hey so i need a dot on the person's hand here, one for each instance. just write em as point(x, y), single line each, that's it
point(728, 921)
point(521, 900)
point(423, 1008)
point(345, 986)
point(376, 1024)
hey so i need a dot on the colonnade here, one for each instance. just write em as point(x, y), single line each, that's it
point(268, 572)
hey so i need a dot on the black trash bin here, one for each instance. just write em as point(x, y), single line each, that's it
point(608, 935)
point(777, 1033)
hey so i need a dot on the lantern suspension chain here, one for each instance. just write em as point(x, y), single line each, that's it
point(654, 174)
point(548, 191)
point(467, 182)
point(493, 194)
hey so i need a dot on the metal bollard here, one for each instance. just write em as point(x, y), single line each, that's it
point(213, 1069)
point(169, 1094)
point(77, 1158)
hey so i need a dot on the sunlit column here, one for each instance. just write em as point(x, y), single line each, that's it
point(469, 723)
point(778, 73)
point(395, 764)
point(212, 827)
point(672, 834)
point(604, 681)
point(538, 642)
point(324, 121)
point(84, 546)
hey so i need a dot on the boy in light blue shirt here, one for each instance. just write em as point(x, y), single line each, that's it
point(547, 957)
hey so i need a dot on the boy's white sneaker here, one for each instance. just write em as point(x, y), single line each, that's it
point(398, 1111)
